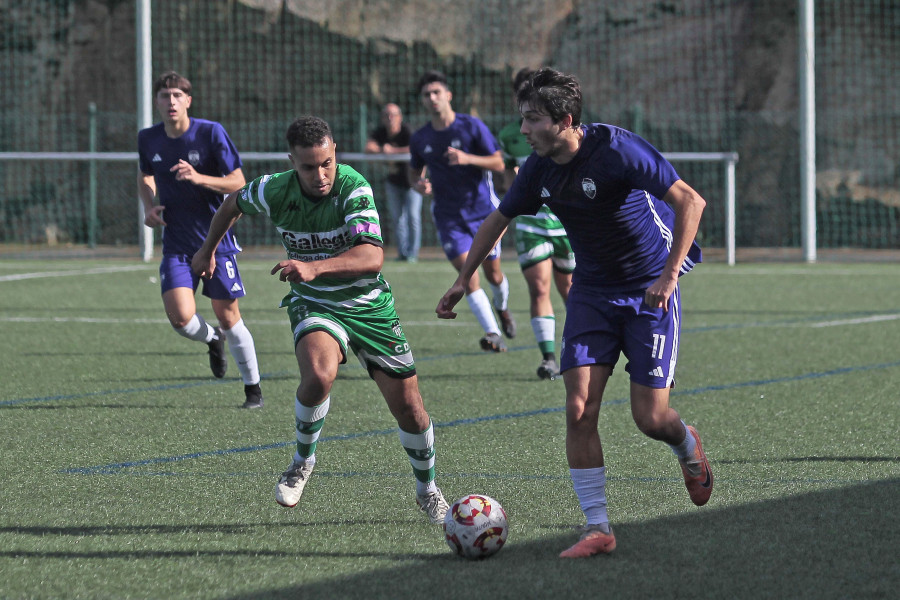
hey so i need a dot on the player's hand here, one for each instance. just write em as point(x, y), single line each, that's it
point(294, 271)
point(153, 217)
point(184, 171)
point(203, 265)
point(450, 299)
point(423, 186)
point(658, 294)
point(456, 157)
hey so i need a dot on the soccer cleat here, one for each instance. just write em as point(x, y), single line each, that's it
point(507, 323)
point(548, 369)
point(434, 506)
point(290, 486)
point(596, 539)
point(254, 397)
point(492, 342)
point(698, 476)
point(218, 363)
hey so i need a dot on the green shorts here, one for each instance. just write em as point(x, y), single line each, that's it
point(374, 335)
point(537, 244)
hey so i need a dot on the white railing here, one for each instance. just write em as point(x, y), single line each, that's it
point(728, 159)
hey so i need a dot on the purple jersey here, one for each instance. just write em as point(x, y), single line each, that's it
point(459, 191)
point(608, 199)
point(189, 207)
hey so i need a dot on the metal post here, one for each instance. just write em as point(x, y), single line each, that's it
point(144, 53)
point(730, 210)
point(807, 129)
point(92, 176)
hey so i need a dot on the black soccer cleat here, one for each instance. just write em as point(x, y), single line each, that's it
point(218, 362)
point(254, 396)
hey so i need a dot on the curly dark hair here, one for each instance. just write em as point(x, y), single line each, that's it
point(308, 132)
point(552, 92)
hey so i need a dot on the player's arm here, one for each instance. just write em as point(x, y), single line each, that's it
point(372, 147)
point(491, 162)
point(204, 261)
point(147, 192)
point(225, 184)
point(489, 232)
point(688, 206)
point(362, 259)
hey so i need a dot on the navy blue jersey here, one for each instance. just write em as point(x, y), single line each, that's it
point(608, 197)
point(459, 191)
point(189, 207)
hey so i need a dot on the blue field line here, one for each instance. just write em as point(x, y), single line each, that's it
point(115, 468)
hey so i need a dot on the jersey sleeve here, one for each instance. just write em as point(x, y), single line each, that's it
point(644, 167)
point(143, 160)
point(360, 213)
point(226, 152)
point(251, 199)
point(486, 142)
point(522, 198)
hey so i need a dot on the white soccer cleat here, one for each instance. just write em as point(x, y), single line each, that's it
point(434, 506)
point(290, 486)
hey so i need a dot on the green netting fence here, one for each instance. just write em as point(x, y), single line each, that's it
point(689, 75)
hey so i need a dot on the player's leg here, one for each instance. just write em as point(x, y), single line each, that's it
point(417, 438)
point(480, 306)
point(318, 353)
point(397, 209)
point(414, 216)
point(538, 277)
point(224, 288)
point(242, 347)
point(584, 452)
point(499, 284)
point(651, 345)
point(178, 286)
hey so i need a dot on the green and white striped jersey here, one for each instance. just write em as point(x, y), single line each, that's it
point(316, 229)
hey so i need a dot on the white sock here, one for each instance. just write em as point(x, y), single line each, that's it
point(544, 328)
point(240, 342)
point(685, 449)
point(481, 308)
point(197, 329)
point(590, 487)
point(420, 449)
point(500, 293)
point(309, 426)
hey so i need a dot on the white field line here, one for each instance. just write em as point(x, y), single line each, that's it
point(111, 321)
point(859, 321)
point(72, 272)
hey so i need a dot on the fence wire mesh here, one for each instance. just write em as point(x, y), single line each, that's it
point(689, 75)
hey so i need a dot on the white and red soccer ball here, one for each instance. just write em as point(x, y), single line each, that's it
point(475, 526)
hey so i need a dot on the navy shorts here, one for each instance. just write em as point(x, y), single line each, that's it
point(175, 271)
point(600, 326)
point(456, 236)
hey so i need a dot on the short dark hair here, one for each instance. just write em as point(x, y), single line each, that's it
point(552, 92)
point(171, 79)
point(521, 77)
point(308, 132)
point(432, 77)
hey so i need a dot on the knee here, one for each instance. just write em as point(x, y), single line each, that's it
point(652, 424)
point(314, 387)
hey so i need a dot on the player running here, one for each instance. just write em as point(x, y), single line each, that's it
point(339, 302)
point(605, 184)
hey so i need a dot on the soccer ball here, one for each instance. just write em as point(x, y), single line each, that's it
point(475, 526)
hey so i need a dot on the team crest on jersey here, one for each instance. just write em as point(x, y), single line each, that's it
point(589, 187)
point(194, 157)
point(398, 331)
point(456, 143)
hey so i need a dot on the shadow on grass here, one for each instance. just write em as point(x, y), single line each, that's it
point(833, 544)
